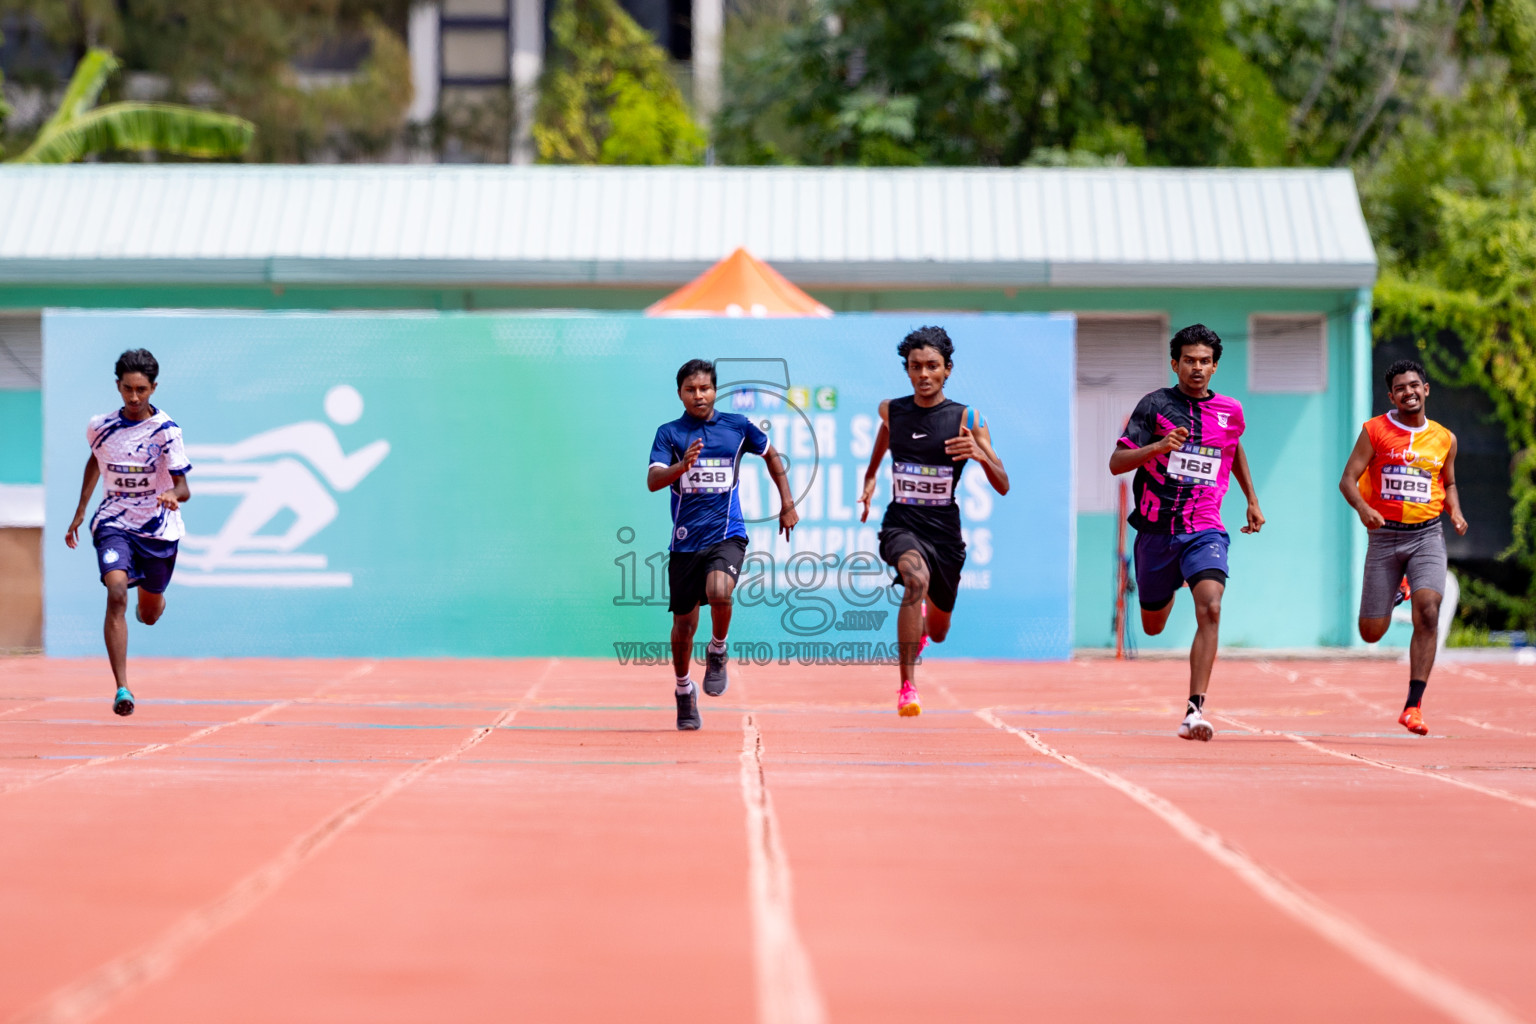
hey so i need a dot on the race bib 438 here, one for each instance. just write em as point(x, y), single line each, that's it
point(915, 484)
point(1194, 464)
point(126, 479)
point(1405, 483)
point(708, 476)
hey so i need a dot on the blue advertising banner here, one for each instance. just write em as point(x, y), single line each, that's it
point(403, 485)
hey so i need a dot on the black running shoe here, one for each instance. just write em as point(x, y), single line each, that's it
point(688, 710)
point(715, 680)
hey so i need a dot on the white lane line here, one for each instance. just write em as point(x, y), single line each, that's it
point(1344, 755)
point(1472, 673)
point(94, 994)
point(1398, 968)
point(193, 737)
point(1382, 709)
point(59, 773)
point(19, 710)
point(786, 985)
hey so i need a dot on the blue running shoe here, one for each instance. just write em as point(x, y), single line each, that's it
point(122, 704)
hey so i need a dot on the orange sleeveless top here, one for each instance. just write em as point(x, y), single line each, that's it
point(1402, 481)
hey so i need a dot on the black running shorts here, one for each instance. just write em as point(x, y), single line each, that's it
point(944, 563)
point(687, 571)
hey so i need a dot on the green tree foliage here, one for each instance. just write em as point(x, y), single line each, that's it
point(992, 81)
point(607, 95)
point(1486, 340)
point(1452, 205)
point(79, 128)
point(241, 58)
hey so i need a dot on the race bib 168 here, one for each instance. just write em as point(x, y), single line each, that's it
point(1194, 464)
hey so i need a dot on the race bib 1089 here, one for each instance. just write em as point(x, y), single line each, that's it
point(1194, 464)
point(915, 484)
point(1405, 483)
point(125, 479)
point(708, 476)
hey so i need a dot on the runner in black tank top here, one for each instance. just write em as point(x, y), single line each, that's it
point(930, 438)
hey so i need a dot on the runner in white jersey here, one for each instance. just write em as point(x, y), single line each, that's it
point(137, 454)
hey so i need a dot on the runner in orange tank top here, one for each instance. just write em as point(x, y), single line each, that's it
point(1399, 478)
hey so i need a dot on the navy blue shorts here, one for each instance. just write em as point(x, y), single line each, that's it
point(148, 562)
point(1164, 561)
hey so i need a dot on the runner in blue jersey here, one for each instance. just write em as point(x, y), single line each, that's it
point(698, 457)
point(137, 454)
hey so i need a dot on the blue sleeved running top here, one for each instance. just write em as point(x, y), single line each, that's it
point(706, 508)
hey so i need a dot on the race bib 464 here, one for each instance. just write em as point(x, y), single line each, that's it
point(127, 479)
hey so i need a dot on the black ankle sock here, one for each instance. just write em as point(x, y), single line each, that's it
point(1415, 693)
point(1197, 702)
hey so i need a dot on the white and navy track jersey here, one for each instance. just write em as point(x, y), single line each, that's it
point(706, 508)
point(137, 459)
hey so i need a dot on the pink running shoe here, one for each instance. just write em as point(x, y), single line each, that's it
point(907, 704)
point(923, 641)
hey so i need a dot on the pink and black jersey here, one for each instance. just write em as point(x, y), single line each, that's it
point(1181, 491)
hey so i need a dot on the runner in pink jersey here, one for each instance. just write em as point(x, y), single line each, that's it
point(1183, 443)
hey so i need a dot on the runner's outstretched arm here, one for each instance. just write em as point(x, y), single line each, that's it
point(658, 477)
point(977, 445)
point(1245, 481)
point(876, 456)
point(178, 493)
point(87, 488)
point(1452, 495)
point(788, 516)
point(1126, 459)
point(1349, 483)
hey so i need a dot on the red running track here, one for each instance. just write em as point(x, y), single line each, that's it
point(533, 841)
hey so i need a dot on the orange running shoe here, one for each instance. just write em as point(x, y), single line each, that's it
point(1404, 592)
point(907, 704)
point(1412, 719)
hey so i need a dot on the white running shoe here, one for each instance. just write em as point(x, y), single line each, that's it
point(1195, 727)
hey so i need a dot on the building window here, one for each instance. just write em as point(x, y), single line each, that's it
point(1119, 359)
point(1287, 353)
point(21, 352)
point(473, 38)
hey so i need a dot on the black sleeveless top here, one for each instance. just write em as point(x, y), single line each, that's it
point(926, 477)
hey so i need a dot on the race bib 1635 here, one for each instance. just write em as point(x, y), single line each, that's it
point(915, 484)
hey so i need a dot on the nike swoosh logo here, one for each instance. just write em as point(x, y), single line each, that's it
point(917, 437)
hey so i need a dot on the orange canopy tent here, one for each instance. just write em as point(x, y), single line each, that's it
point(739, 285)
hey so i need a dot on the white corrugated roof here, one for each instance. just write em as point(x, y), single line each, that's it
point(609, 225)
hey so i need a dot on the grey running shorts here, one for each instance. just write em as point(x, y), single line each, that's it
point(1392, 554)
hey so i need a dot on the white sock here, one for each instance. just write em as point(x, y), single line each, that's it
point(684, 686)
point(716, 645)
